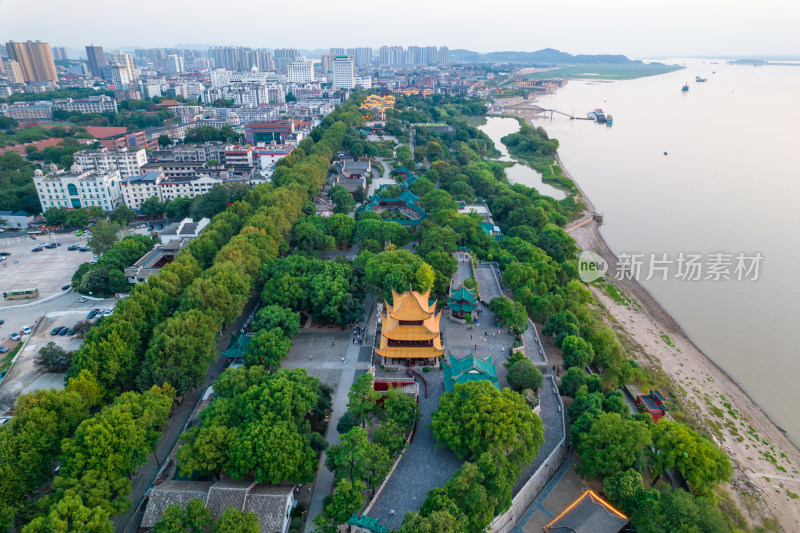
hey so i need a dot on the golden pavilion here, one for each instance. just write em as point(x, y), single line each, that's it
point(410, 332)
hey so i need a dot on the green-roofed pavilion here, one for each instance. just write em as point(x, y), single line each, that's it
point(462, 301)
point(237, 348)
point(363, 523)
point(468, 368)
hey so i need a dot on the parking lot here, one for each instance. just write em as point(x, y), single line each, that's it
point(47, 270)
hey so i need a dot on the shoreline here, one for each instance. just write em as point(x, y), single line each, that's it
point(774, 490)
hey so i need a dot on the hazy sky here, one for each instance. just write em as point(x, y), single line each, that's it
point(631, 27)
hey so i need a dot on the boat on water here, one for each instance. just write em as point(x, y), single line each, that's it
point(698, 79)
point(609, 120)
point(685, 88)
point(598, 116)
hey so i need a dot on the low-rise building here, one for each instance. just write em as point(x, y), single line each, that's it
point(185, 229)
point(239, 156)
point(272, 504)
point(171, 188)
point(16, 219)
point(128, 162)
point(79, 188)
point(137, 189)
point(153, 261)
point(25, 111)
point(268, 132)
point(92, 104)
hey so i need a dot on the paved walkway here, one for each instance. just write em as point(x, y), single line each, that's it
point(538, 503)
point(352, 366)
point(424, 466)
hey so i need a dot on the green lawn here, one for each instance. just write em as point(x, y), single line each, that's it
point(606, 71)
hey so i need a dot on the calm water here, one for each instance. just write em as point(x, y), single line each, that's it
point(730, 183)
point(497, 128)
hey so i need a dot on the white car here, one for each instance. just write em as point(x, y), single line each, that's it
point(26, 330)
point(14, 336)
point(108, 311)
point(82, 299)
point(94, 260)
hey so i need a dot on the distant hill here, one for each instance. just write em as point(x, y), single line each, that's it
point(547, 56)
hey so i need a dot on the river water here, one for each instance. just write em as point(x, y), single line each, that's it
point(729, 184)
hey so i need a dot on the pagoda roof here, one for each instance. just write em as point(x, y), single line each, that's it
point(413, 308)
point(411, 352)
point(429, 329)
point(463, 294)
point(462, 307)
point(468, 368)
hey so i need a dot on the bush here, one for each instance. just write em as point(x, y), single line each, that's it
point(426, 369)
point(296, 523)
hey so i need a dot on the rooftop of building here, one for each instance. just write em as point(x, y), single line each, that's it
point(588, 514)
point(151, 176)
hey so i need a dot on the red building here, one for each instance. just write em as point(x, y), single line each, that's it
point(654, 404)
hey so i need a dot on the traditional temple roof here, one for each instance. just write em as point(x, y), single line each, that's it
point(588, 514)
point(462, 299)
point(411, 306)
point(410, 309)
point(469, 368)
point(367, 524)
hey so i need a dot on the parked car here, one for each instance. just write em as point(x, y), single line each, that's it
point(79, 232)
point(108, 311)
point(63, 331)
point(85, 249)
point(3, 349)
point(58, 244)
point(92, 314)
point(51, 245)
point(54, 331)
point(5, 253)
point(82, 299)
point(65, 287)
point(26, 330)
point(14, 336)
point(93, 260)
point(74, 247)
point(37, 249)
point(2, 321)
point(70, 331)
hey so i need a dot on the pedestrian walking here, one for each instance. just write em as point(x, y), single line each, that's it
point(391, 512)
point(476, 346)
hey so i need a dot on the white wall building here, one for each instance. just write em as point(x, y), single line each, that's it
point(128, 162)
point(301, 70)
point(137, 189)
point(343, 73)
point(79, 189)
point(362, 82)
point(171, 188)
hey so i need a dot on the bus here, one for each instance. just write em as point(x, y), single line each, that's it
point(21, 294)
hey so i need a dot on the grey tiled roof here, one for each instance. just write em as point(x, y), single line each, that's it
point(268, 502)
point(173, 492)
point(227, 493)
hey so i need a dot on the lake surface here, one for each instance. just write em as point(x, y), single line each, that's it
point(730, 183)
point(497, 128)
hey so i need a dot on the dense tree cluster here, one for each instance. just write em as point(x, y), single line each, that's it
point(258, 423)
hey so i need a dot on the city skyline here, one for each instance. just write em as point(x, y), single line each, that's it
point(681, 28)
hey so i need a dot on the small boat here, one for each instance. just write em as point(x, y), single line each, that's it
point(665, 153)
point(685, 88)
point(698, 79)
point(609, 120)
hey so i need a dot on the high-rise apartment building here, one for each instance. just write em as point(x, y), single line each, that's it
point(326, 62)
point(13, 71)
point(59, 52)
point(118, 75)
point(126, 60)
point(414, 55)
point(284, 55)
point(343, 73)
point(35, 59)
point(96, 59)
point(361, 56)
point(337, 52)
point(300, 70)
point(241, 58)
point(174, 64)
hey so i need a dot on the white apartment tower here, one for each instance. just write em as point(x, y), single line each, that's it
point(78, 189)
point(301, 70)
point(343, 73)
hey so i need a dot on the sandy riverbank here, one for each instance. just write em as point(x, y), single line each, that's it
point(766, 478)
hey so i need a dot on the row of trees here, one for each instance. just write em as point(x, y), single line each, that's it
point(137, 345)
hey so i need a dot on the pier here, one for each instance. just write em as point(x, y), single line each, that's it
point(529, 110)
